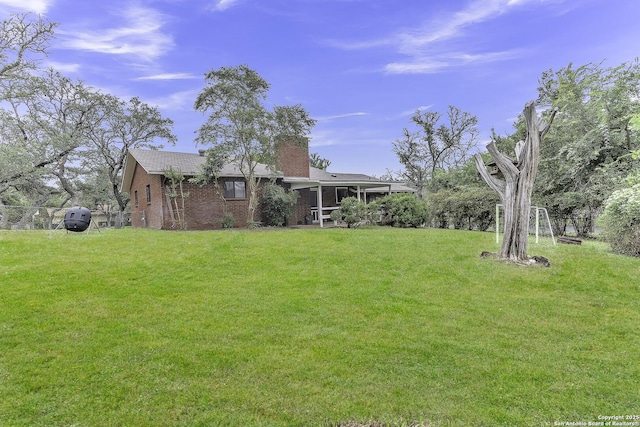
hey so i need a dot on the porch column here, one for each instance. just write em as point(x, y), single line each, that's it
point(320, 206)
point(358, 189)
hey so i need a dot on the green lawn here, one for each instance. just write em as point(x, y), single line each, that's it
point(311, 327)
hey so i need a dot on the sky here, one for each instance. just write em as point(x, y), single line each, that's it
point(361, 68)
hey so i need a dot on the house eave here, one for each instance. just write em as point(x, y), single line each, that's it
point(300, 183)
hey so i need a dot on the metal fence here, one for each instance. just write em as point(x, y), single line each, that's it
point(47, 218)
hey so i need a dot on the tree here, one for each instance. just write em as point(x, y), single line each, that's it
point(277, 204)
point(176, 190)
point(621, 218)
point(20, 38)
point(22, 41)
point(40, 131)
point(123, 125)
point(517, 186)
point(587, 152)
point(435, 147)
point(318, 162)
point(241, 129)
point(621, 221)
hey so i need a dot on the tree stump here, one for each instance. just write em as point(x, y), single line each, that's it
point(517, 184)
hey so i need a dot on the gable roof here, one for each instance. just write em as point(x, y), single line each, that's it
point(156, 162)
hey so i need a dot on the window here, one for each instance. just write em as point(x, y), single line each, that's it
point(135, 197)
point(148, 193)
point(234, 190)
point(341, 193)
point(313, 197)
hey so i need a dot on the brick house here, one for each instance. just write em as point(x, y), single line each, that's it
point(320, 192)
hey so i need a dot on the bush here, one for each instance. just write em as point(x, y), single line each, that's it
point(621, 221)
point(351, 211)
point(228, 221)
point(439, 206)
point(466, 206)
point(403, 210)
point(277, 204)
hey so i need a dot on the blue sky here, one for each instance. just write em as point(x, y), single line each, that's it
point(360, 67)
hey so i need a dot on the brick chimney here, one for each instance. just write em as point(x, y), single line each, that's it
point(293, 159)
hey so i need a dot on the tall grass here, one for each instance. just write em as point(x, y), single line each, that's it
point(311, 327)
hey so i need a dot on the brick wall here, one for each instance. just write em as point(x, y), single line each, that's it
point(293, 160)
point(144, 213)
point(203, 206)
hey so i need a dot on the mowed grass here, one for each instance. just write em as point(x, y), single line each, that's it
point(311, 327)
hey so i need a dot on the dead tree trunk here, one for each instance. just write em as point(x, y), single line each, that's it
point(516, 187)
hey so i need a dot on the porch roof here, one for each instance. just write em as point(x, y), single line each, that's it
point(324, 178)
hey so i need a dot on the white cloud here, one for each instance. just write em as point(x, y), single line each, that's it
point(169, 76)
point(420, 65)
point(141, 36)
point(37, 6)
point(63, 67)
point(423, 66)
point(426, 47)
point(367, 44)
point(175, 101)
point(412, 112)
point(477, 11)
point(341, 116)
point(317, 140)
point(224, 4)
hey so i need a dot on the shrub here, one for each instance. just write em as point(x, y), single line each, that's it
point(621, 221)
point(439, 208)
point(228, 221)
point(466, 206)
point(351, 211)
point(277, 204)
point(403, 210)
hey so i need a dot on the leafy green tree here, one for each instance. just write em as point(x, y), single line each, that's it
point(122, 125)
point(24, 148)
point(435, 146)
point(621, 221)
point(318, 162)
point(277, 204)
point(41, 129)
point(587, 153)
point(241, 128)
point(22, 41)
point(42, 119)
point(96, 193)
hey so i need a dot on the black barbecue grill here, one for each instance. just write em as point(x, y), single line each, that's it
point(77, 219)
